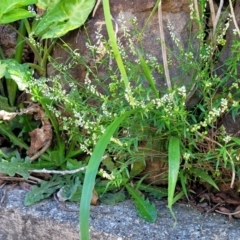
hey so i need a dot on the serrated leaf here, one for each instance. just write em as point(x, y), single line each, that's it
point(203, 175)
point(71, 192)
point(156, 192)
point(46, 189)
point(145, 209)
point(113, 198)
point(12, 168)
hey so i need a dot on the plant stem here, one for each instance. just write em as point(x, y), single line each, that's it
point(117, 55)
point(11, 85)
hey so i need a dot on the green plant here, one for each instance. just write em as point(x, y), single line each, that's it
point(58, 19)
point(113, 124)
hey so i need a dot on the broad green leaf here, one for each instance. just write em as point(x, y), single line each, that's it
point(173, 168)
point(63, 17)
point(2, 69)
point(15, 15)
point(47, 4)
point(9, 5)
point(204, 176)
point(91, 173)
point(145, 209)
point(45, 190)
point(19, 73)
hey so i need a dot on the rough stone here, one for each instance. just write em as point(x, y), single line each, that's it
point(7, 40)
point(175, 13)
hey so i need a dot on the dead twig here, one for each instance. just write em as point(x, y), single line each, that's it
point(163, 46)
point(234, 17)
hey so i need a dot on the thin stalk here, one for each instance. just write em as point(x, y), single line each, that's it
point(234, 17)
point(37, 67)
point(163, 45)
point(217, 17)
point(113, 43)
point(11, 85)
point(61, 145)
point(47, 51)
point(2, 55)
point(20, 42)
point(149, 18)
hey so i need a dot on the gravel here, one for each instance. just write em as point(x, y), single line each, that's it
point(48, 220)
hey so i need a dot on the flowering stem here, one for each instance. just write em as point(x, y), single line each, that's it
point(113, 43)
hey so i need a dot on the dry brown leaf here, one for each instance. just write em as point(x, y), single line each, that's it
point(232, 201)
point(94, 200)
point(223, 187)
point(25, 186)
point(237, 211)
point(216, 199)
point(221, 195)
point(7, 116)
point(224, 210)
point(39, 138)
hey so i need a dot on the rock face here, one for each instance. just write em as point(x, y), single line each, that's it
point(175, 13)
point(7, 40)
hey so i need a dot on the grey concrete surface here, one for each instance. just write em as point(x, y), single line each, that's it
point(47, 220)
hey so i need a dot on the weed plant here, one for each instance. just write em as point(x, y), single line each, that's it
point(108, 125)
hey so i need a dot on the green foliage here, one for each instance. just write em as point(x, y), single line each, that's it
point(174, 165)
point(46, 189)
point(116, 123)
point(5, 130)
point(15, 165)
point(13, 10)
point(71, 191)
point(155, 191)
point(145, 209)
point(20, 73)
point(91, 173)
point(113, 198)
point(61, 17)
point(204, 176)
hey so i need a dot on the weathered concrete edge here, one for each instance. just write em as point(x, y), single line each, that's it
point(44, 220)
